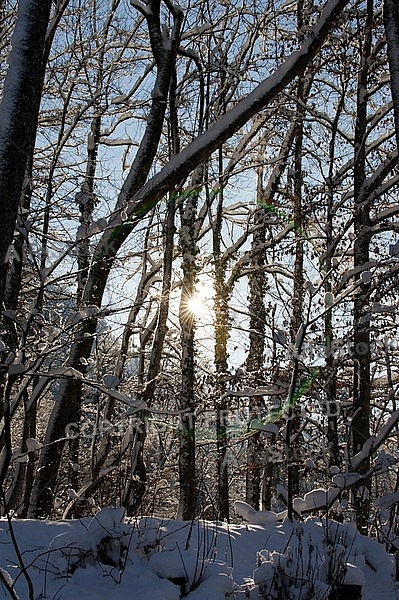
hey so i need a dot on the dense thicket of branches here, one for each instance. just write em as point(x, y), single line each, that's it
point(200, 296)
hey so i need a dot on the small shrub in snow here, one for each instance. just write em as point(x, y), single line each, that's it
point(302, 572)
point(185, 557)
point(190, 564)
point(285, 577)
point(105, 541)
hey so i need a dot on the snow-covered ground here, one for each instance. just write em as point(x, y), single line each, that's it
point(108, 557)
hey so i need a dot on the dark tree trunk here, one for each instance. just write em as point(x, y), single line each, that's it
point(330, 371)
point(266, 197)
point(19, 111)
point(27, 90)
point(18, 496)
point(293, 423)
point(361, 322)
point(391, 23)
point(187, 464)
point(254, 362)
point(293, 442)
point(221, 336)
point(138, 476)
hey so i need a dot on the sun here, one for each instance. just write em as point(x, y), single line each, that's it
point(196, 306)
point(199, 304)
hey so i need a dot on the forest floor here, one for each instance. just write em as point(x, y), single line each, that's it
point(108, 557)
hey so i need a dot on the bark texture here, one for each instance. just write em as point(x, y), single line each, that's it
point(361, 326)
point(391, 23)
point(19, 111)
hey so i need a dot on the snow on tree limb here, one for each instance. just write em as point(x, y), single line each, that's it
point(198, 151)
point(181, 165)
point(371, 445)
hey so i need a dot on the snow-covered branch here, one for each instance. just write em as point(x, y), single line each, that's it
point(181, 165)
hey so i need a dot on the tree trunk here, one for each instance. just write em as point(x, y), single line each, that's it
point(137, 484)
point(254, 362)
point(391, 23)
point(220, 359)
point(62, 422)
point(293, 423)
point(187, 464)
point(18, 495)
point(19, 111)
point(266, 196)
point(361, 322)
point(330, 371)
point(24, 83)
